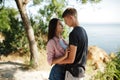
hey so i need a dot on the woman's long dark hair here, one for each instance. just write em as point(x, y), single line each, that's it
point(52, 28)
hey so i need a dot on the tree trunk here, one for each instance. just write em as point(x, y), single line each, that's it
point(21, 4)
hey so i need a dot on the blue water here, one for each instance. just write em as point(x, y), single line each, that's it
point(105, 36)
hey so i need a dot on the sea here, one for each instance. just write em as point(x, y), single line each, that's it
point(105, 36)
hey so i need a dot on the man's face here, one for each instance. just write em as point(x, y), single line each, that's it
point(68, 20)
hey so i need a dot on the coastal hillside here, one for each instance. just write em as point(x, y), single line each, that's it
point(15, 66)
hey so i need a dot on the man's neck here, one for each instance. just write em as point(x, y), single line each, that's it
point(76, 24)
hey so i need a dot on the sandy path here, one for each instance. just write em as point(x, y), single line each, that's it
point(12, 71)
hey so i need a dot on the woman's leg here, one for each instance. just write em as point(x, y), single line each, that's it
point(57, 73)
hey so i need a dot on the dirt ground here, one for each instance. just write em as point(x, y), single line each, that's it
point(13, 67)
point(13, 71)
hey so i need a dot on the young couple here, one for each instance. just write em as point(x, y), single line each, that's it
point(69, 59)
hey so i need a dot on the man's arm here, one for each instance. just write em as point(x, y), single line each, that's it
point(71, 55)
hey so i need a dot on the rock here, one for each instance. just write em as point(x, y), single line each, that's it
point(97, 56)
point(112, 55)
point(2, 37)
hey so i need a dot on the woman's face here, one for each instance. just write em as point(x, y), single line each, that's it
point(59, 28)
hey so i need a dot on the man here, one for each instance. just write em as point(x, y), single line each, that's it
point(78, 47)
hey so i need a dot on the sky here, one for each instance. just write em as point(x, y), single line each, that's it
point(107, 11)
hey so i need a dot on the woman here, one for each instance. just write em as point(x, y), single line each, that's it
point(56, 50)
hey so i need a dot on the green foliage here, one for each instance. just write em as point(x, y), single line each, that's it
point(0, 1)
point(4, 20)
point(84, 1)
point(95, 1)
point(112, 70)
point(2, 4)
point(91, 1)
point(37, 1)
point(14, 34)
point(39, 35)
point(12, 27)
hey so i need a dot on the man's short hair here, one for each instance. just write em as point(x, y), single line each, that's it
point(70, 11)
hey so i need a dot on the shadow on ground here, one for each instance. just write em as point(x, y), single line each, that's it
point(8, 69)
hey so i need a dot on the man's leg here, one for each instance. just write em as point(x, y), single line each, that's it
point(68, 76)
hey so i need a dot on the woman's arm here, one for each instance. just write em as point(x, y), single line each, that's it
point(50, 54)
point(71, 55)
point(60, 59)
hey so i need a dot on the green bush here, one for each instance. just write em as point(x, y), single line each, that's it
point(15, 37)
point(112, 70)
